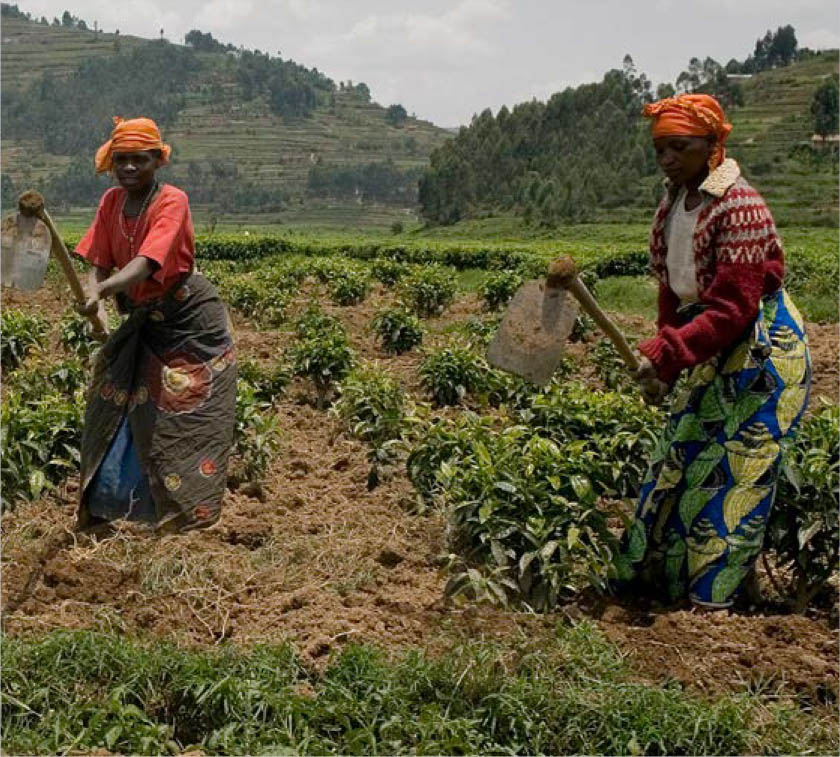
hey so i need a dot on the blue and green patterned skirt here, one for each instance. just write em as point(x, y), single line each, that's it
point(700, 520)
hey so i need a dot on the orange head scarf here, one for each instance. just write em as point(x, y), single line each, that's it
point(693, 116)
point(128, 136)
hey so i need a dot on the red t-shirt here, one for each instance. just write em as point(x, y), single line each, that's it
point(164, 234)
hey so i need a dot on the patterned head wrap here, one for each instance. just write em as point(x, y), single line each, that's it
point(693, 116)
point(128, 136)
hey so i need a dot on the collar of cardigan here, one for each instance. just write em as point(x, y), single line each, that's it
point(718, 182)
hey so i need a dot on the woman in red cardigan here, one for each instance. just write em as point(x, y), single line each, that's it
point(727, 324)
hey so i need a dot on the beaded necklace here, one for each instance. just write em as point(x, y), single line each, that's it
point(135, 232)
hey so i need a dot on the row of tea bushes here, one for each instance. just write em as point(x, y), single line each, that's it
point(525, 496)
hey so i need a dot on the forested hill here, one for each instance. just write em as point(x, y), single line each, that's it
point(251, 132)
point(586, 153)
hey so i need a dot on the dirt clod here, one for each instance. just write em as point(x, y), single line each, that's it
point(389, 558)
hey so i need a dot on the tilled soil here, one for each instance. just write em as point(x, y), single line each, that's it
point(723, 650)
point(825, 357)
point(313, 556)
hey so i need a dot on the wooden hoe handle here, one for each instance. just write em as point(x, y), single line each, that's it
point(563, 273)
point(32, 203)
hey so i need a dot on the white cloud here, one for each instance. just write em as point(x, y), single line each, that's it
point(452, 38)
point(305, 10)
point(819, 39)
point(221, 13)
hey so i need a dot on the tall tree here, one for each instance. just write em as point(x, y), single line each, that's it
point(824, 108)
point(395, 115)
point(783, 47)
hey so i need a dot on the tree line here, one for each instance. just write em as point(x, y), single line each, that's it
point(382, 182)
point(550, 162)
point(773, 50)
point(215, 183)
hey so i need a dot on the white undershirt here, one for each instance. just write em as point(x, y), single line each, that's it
point(682, 273)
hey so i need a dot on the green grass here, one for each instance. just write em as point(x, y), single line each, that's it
point(573, 693)
point(633, 295)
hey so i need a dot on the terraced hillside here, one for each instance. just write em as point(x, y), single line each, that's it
point(30, 49)
point(216, 125)
point(774, 120)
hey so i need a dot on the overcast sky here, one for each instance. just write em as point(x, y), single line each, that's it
point(448, 59)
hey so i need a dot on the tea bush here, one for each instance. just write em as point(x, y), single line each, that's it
point(451, 373)
point(19, 332)
point(803, 527)
point(428, 291)
point(439, 442)
point(256, 436)
point(584, 326)
point(499, 287)
point(268, 381)
point(65, 378)
point(634, 263)
point(327, 269)
point(398, 330)
point(284, 273)
point(41, 435)
point(349, 286)
point(611, 435)
point(502, 388)
point(519, 506)
point(314, 321)
point(257, 299)
point(76, 335)
point(521, 501)
point(480, 330)
point(322, 353)
point(371, 404)
point(611, 368)
point(388, 272)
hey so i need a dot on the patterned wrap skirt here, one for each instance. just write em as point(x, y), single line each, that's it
point(160, 412)
point(700, 520)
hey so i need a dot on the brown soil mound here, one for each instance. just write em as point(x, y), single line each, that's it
point(723, 650)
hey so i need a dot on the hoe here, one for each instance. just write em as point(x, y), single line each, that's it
point(27, 240)
point(532, 335)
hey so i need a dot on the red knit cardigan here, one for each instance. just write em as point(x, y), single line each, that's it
point(738, 257)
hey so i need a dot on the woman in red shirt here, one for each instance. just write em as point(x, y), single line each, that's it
point(161, 403)
point(726, 322)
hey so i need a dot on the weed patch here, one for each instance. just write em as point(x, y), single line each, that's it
point(85, 691)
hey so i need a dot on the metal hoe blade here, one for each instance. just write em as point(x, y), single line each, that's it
point(24, 251)
point(532, 335)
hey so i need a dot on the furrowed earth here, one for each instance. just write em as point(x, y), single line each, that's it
point(314, 557)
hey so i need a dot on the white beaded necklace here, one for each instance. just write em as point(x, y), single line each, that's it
point(136, 231)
